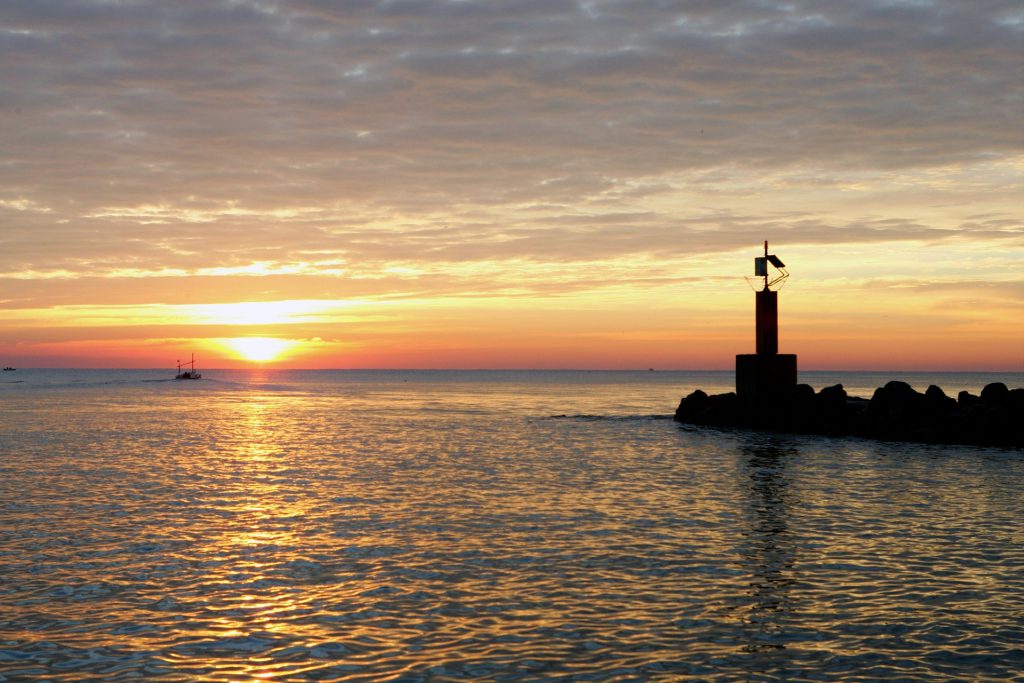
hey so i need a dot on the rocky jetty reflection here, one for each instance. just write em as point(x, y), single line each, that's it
point(896, 411)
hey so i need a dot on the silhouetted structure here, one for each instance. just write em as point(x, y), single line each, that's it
point(188, 374)
point(766, 376)
point(768, 397)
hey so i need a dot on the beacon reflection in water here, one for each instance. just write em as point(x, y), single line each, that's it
point(770, 550)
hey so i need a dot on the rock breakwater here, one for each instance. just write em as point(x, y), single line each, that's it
point(896, 411)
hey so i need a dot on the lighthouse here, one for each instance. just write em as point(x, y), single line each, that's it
point(767, 375)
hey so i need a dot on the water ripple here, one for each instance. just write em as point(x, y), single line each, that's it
point(317, 536)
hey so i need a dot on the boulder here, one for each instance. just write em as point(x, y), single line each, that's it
point(966, 398)
point(832, 398)
point(895, 411)
point(996, 392)
point(726, 410)
point(691, 406)
point(894, 396)
point(937, 401)
point(718, 409)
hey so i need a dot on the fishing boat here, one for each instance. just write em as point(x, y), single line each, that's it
point(9, 369)
point(191, 372)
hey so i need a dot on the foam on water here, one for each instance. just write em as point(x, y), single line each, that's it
point(443, 527)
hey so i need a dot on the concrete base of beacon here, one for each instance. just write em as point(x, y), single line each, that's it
point(764, 378)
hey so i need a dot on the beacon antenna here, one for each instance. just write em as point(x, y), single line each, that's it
point(771, 281)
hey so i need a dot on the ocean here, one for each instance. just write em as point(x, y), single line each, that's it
point(282, 525)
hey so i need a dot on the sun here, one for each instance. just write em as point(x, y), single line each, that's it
point(258, 349)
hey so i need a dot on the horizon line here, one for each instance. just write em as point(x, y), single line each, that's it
point(413, 369)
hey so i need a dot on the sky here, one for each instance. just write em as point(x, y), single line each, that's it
point(510, 184)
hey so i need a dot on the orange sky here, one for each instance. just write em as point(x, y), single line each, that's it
point(487, 185)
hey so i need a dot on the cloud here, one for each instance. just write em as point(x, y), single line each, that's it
point(188, 136)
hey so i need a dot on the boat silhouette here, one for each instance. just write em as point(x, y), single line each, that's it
point(191, 372)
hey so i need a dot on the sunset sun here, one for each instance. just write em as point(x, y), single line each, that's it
point(258, 349)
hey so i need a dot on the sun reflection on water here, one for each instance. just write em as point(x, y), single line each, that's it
point(258, 558)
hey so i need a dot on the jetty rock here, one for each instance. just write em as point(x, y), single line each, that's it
point(895, 412)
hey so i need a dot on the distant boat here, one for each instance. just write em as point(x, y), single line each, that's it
point(188, 374)
point(9, 369)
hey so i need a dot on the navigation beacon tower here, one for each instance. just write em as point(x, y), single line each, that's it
point(767, 375)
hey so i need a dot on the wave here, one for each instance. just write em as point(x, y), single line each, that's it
point(609, 418)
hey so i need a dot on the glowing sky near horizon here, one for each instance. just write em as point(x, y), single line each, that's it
point(525, 183)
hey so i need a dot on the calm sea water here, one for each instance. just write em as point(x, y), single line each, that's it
point(488, 526)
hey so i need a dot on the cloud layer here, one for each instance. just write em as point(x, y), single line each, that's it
point(442, 147)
